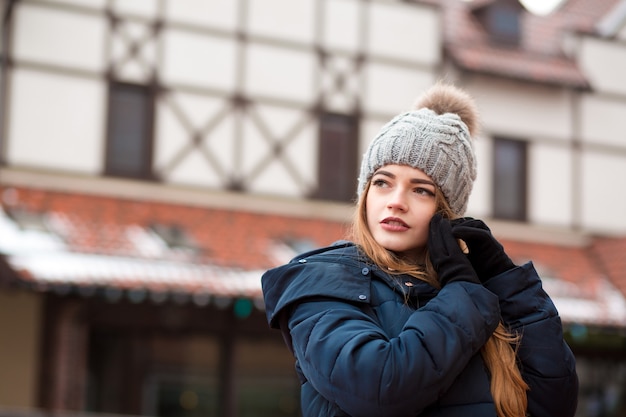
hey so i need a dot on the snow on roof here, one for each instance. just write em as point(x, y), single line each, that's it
point(47, 261)
point(606, 306)
point(136, 263)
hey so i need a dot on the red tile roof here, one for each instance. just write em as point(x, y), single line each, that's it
point(571, 264)
point(540, 57)
point(105, 244)
point(518, 64)
point(610, 254)
point(239, 239)
point(577, 280)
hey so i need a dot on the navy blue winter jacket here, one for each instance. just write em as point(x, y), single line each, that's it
point(371, 344)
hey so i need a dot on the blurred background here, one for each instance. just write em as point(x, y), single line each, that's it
point(157, 156)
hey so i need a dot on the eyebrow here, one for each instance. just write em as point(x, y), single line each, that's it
point(412, 181)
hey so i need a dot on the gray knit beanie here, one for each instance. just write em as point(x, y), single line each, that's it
point(433, 138)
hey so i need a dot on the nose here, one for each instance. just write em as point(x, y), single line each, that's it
point(397, 201)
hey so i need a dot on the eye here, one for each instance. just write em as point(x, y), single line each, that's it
point(424, 191)
point(379, 182)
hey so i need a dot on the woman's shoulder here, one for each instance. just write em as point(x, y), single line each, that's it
point(335, 271)
point(341, 252)
point(313, 268)
point(339, 248)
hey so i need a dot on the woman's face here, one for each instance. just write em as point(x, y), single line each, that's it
point(400, 203)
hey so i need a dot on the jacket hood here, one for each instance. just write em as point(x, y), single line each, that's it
point(302, 278)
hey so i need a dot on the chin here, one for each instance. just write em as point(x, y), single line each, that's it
point(406, 253)
point(399, 250)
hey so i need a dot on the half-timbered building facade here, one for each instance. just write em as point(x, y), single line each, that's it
point(156, 156)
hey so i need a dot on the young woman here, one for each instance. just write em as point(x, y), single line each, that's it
point(422, 313)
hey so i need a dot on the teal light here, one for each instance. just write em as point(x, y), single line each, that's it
point(242, 308)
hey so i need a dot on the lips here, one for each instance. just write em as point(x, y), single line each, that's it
point(394, 224)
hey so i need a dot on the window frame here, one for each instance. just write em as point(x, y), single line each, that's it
point(491, 17)
point(337, 180)
point(519, 180)
point(144, 164)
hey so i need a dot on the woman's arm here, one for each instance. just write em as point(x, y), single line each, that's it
point(349, 359)
point(546, 362)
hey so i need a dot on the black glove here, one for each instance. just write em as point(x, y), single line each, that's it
point(445, 254)
point(485, 253)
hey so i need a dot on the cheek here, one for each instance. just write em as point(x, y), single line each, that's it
point(430, 211)
point(422, 235)
point(423, 219)
point(370, 208)
point(370, 217)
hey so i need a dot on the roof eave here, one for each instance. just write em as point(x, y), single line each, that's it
point(573, 81)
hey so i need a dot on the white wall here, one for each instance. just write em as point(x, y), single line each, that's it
point(557, 132)
point(202, 60)
point(543, 117)
point(603, 111)
point(522, 110)
point(479, 204)
point(387, 52)
point(280, 73)
point(56, 118)
point(602, 120)
point(180, 116)
point(550, 185)
point(341, 26)
point(56, 122)
point(405, 46)
point(390, 90)
point(604, 63)
point(91, 4)
point(284, 20)
point(296, 168)
point(219, 14)
point(404, 32)
point(604, 202)
point(278, 68)
point(47, 35)
point(194, 59)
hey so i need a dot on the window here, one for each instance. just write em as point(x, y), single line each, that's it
point(509, 179)
point(28, 220)
point(175, 242)
point(501, 19)
point(337, 165)
point(267, 386)
point(6, 30)
point(184, 395)
point(145, 367)
point(129, 134)
point(173, 236)
point(174, 362)
point(601, 378)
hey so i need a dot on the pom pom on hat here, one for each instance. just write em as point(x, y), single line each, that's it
point(436, 137)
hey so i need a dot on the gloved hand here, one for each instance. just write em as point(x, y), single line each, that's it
point(445, 254)
point(485, 253)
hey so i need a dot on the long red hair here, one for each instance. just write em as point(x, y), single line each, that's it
point(508, 388)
